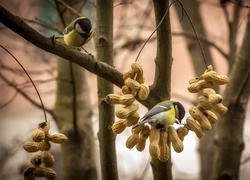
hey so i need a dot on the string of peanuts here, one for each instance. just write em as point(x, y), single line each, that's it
point(201, 118)
point(41, 142)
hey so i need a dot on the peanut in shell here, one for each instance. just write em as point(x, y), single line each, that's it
point(129, 74)
point(126, 90)
point(113, 99)
point(154, 138)
point(46, 172)
point(211, 116)
point(164, 149)
point(204, 103)
point(214, 77)
point(119, 126)
point(132, 141)
point(220, 108)
point(174, 138)
point(132, 119)
point(126, 111)
point(140, 146)
point(211, 95)
point(197, 86)
point(47, 158)
point(143, 92)
point(136, 67)
point(58, 138)
point(182, 132)
point(200, 117)
point(132, 84)
point(38, 135)
point(195, 127)
point(31, 146)
point(44, 145)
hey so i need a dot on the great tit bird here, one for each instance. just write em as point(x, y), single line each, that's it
point(163, 114)
point(78, 32)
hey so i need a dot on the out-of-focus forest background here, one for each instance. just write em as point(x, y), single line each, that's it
point(221, 26)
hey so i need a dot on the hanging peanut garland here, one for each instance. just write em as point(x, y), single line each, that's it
point(201, 119)
point(41, 142)
point(202, 116)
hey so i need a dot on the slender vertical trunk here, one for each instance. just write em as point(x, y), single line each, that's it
point(162, 81)
point(73, 116)
point(78, 153)
point(104, 50)
point(206, 149)
point(229, 139)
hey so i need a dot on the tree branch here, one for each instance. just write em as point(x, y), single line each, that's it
point(88, 62)
point(99, 68)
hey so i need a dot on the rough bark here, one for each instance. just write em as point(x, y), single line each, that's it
point(162, 81)
point(229, 139)
point(104, 50)
point(78, 152)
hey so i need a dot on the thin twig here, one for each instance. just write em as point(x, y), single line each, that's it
point(3, 105)
point(42, 106)
point(204, 40)
point(239, 4)
point(27, 97)
point(192, 25)
point(69, 8)
point(124, 3)
point(163, 17)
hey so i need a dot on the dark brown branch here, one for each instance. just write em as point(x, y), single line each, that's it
point(97, 67)
point(86, 61)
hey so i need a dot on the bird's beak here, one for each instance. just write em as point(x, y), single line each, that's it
point(177, 121)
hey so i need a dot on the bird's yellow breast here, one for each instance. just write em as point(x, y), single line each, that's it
point(73, 38)
point(169, 117)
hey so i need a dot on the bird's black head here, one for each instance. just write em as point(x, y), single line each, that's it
point(83, 26)
point(180, 111)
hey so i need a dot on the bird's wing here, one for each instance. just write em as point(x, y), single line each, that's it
point(155, 110)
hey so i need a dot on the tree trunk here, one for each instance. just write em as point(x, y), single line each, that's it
point(162, 81)
point(73, 112)
point(206, 144)
point(104, 50)
point(229, 139)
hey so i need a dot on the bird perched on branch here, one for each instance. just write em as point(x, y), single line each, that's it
point(163, 114)
point(78, 32)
